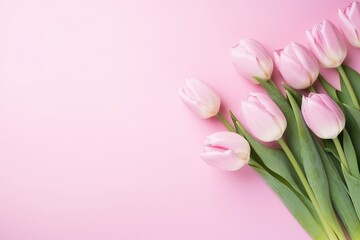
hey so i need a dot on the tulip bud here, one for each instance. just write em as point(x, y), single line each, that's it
point(263, 117)
point(226, 150)
point(200, 98)
point(297, 65)
point(327, 44)
point(350, 23)
point(322, 115)
point(252, 60)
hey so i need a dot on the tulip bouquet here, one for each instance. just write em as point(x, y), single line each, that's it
point(315, 168)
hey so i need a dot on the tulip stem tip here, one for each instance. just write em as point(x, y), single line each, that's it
point(226, 123)
point(347, 83)
point(312, 89)
point(341, 153)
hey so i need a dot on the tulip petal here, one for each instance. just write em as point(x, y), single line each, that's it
point(247, 65)
point(317, 49)
point(268, 105)
point(295, 75)
point(252, 60)
point(354, 14)
point(297, 65)
point(335, 45)
point(307, 60)
point(255, 48)
point(320, 118)
point(327, 44)
point(350, 23)
point(262, 124)
point(277, 54)
point(204, 94)
point(348, 29)
point(223, 160)
point(228, 140)
point(194, 106)
point(338, 113)
point(263, 58)
point(200, 98)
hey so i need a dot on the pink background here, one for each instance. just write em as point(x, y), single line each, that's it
point(94, 141)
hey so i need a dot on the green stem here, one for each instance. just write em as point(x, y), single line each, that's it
point(307, 187)
point(348, 86)
point(225, 122)
point(312, 89)
point(272, 83)
point(341, 153)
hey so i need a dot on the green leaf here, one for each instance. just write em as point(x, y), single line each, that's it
point(354, 187)
point(353, 128)
point(329, 147)
point(294, 93)
point(300, 207)
point(329, 88)
point(343, 95)
point(354, 78)
point(350, 155)
point(339, 194)
point(314, 169)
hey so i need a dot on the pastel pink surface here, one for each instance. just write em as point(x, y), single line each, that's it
point(94, 140)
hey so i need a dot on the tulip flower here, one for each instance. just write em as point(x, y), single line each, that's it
point(226, 150)
point(350, 23)
point(252, 60)
point(327, 44)
point(297, 65)
point(263, 118)
point(322, 115)
point(200, 98)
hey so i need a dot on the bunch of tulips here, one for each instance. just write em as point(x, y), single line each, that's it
point(315, 168)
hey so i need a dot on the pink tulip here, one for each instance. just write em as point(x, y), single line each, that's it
point(327, 44)
point(263, 117)
point(200, 98)
point(322, 115)
point(350, 23)
point(297, 65)
point(252, 60)
point(226, 150)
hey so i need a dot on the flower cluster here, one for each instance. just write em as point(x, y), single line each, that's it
point(316, 170)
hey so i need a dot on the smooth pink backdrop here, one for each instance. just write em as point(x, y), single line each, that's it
point(94, 141)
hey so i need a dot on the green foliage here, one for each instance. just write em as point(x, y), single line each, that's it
point(334, 187)
point(300, 207)
point(353, 128)
point(353, 186)
point(274, 167)
point(339, 193)
point(314, 169)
